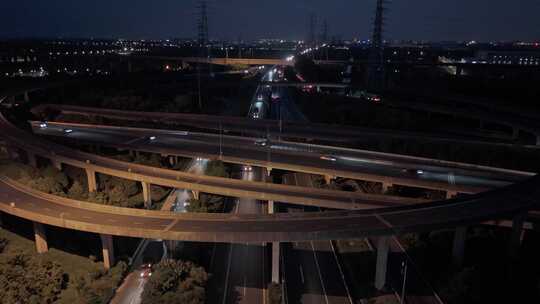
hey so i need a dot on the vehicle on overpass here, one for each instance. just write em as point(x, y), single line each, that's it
point(261, 142)
point(367, 96)
point(328, 158)
point(275, 94)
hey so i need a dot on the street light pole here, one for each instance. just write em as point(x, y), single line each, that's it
point(220, 141)
point(404, 265)
point(267, 144)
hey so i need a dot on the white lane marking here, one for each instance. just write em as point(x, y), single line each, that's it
point(319, 271)
point(341, 273)
point(263, 272)
point(226, 287)
point(227, 275)
point(301, 273)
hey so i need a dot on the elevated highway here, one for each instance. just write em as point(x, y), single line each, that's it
point(512, 201)
point(93, 164)
point(223, 61)
point(263, 128)
point(349, 163)
point(24, 202)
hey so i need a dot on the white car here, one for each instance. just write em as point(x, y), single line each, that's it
point(67, 131)
point(328, 157)
point(261, 142)
point(152, 138)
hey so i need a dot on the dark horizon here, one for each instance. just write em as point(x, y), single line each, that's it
point(434, 20)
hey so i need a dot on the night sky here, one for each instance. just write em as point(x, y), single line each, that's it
point(482, 20)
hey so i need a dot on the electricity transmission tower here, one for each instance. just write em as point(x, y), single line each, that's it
point(202, 24)
point(375, 77)
point(202, 27)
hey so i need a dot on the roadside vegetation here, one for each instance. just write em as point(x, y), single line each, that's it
point(274, 293)
point(176, 282)
point(56, 276)
point(72, 183)
point(210, 203)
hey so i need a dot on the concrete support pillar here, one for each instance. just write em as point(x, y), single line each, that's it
point(32, 160)
point(57, 164)
point(270, 207)
point(172, 160)
point(516, 237)
point(386, 187)
point(383, 245)
point(41, 238)
point(147, 194)
point(131, 153)
point(26, 97)
point(108, 250)
point(458, 249)
point(196, 194)
point(451, 194)
point(92, 184)
point(328, 179)
point(275, 262)
point(268, 171)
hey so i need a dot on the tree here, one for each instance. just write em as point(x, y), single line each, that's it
point(45, 283)
point(57, 175)
point(154, 160)
point(118, 195)
point(196, 206)
point(274, 293)
point(216, 168)
point(3, 244)
point(176, 282)
point(98, 197)
point(97, 286)
point(76, 191)
point(206, 204)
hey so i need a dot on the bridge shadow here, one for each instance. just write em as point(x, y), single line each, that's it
point(304, 276)
point(80, 243)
